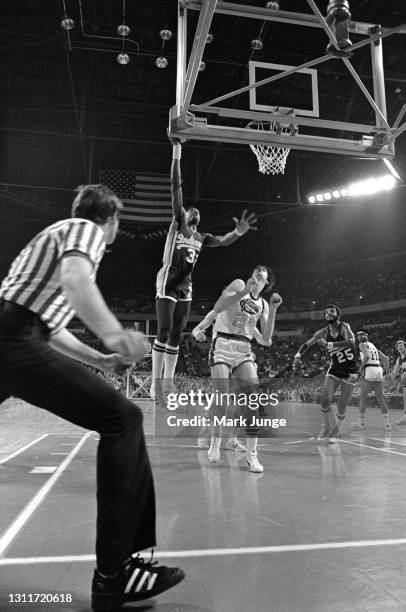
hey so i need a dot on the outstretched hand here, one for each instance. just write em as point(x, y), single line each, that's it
point(199, 334)
point(246, 222)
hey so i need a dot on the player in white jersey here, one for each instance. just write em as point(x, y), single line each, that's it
point(372, 377)
point(236, 314)
point(400, 371)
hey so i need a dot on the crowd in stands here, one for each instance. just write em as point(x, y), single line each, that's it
point(276, 361)
point(348, 284)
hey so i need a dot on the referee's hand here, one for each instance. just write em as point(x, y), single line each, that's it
point(131, 345)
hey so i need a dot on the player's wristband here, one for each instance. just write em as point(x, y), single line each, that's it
point(298, 356)
point(176, 151)
point(330, 346)
point(238, 232)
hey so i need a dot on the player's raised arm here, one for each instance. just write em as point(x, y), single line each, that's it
point(232, 294)
point(267, 321)
point(242, 226)
point(176, 180)
point(317, 337)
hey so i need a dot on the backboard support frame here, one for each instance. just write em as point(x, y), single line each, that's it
point(189, 121)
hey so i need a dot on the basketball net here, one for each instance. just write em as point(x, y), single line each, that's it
point(271, 159)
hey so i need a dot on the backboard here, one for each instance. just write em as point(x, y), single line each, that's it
point(217, 119)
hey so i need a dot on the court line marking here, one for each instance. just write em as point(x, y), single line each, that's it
point(22, 449)
point(216, 552)
point(389, 440)
point(10, 533)
point(382, 450)
point(44, 469)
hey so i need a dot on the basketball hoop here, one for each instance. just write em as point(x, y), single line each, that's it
point(271, 158)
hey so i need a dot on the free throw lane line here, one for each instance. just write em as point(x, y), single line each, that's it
point(21, 450)
point(10, 533)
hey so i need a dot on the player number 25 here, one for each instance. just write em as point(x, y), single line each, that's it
point(346, 355)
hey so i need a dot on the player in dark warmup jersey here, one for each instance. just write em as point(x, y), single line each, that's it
point(338, 338)
point(174, 279)
point(400, 370)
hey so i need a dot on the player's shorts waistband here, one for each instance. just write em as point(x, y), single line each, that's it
point(233, 337)
point(372, 365)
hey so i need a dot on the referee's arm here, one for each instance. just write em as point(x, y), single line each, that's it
point(85, 298)
point(66, 343)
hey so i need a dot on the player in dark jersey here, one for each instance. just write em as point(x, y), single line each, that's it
point(338, 338)
point(400, 371)
point(174, 279)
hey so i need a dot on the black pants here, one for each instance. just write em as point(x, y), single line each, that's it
point(31, 370)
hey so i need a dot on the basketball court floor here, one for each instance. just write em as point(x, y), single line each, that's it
point(322, 529)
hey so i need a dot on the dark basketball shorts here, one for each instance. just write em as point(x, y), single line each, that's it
point(348, 374)
point(173, 285)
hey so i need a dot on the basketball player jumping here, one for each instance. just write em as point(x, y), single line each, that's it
point(236, 314)
point(400, 370)
point(174, 279)
point(337, 337)
point(372, 377)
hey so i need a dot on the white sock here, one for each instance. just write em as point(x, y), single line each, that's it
point(252, 444)
point(158, 356)
point(386, 418)
point(171, 359)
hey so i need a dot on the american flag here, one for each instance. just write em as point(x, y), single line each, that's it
point(146, 197)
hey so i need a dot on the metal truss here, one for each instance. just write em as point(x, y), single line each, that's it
point(189, 121)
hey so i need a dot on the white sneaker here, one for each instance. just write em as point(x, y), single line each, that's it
point(388, 427)
point(235, 445)
point(253, 463)
point(358, 425)
point(401, 421)
point(203, 442)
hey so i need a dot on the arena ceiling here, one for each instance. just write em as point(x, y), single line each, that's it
point(69, 108)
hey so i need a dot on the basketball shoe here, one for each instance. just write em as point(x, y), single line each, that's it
point(136, 580)
point(253, 464)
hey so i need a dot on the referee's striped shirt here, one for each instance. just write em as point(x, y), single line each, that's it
point(33, 280)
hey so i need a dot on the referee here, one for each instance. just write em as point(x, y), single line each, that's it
point(51, 279)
